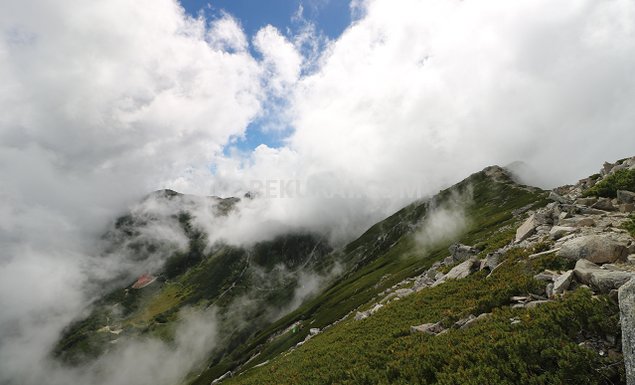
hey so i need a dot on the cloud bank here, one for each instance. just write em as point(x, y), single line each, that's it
point(104, 101)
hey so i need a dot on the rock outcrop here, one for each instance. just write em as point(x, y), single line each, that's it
point(602, 248)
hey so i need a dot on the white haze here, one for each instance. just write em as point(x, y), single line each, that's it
point(105, 101)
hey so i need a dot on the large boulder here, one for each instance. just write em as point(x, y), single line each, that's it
point(604, 204)
point(601, 280)
point(460, 252)
point(605, 280)
point(558, 232)
point(462, 270)
point(626, 295)
point(601, 248)
point(624, 196)
point(584, 270)
point(527, 228)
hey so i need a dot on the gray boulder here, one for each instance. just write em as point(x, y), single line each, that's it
point(557, 197)
point(462, 270)
point(604, 281)
point(601, 248)
point(599, 279)
point(603, 204)
point(626, 295)
point(428, 328)
point(624, 196)
point(460, 252)
point(558, 232)
point(562, 283)
point(492, 260)
point(527, 228)
point(584, 269)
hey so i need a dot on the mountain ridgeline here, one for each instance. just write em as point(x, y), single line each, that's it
point(470, 286)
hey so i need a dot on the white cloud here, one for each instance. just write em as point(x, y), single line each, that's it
point(417, 95)
point(104, 101)
point(280, 58)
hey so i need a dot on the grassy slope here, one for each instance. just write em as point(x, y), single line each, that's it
point(541, 349)
point(386, 254)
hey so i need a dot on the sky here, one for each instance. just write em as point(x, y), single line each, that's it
point(333, 114)
point(330, 17)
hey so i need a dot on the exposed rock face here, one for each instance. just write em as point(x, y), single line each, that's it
point(627, 318)
point(527, 228)
point(601, 248)
point(429, 328)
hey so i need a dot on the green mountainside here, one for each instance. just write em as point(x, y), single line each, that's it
point(448, 290)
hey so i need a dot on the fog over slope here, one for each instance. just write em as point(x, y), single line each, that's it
point(105, 101)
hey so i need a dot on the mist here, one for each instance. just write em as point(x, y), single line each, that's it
point(106, 101)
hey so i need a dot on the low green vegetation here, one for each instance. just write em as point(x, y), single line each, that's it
point(541, 345)
point(623, 179)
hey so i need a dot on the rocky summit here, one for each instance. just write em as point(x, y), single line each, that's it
point(535, 287)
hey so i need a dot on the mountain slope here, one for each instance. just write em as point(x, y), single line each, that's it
point(486, 203)
point(499, 325)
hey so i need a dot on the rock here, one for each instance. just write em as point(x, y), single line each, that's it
point(462, 270)
point(473, 321)
point(549, 290)
point(460, 323)
point(627, 208)
point(626, 296)
point(604, 281)
point(558, 232)
point(431, 273)
point(586, 201)
point(584, 269)
point(429, 328)
point(361, 315)
point(600, 279)
point(448, 261)
point(492, 260)
point(624, 196)
point(557, 198)
point(631, 259)
point(595, 248)
point(603, 204)
point(365, 314)
point(401, 293)
point(527, 228)
point(547, 275)
point(519, 298)
point(590, 211)
point(460, 252)
point(544, 217)
point(562, 283)
point(314, 331)
point(533, 304)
